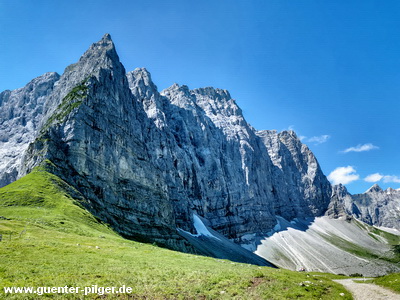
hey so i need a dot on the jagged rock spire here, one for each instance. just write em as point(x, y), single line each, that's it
point(101, 55)
point(374, 189)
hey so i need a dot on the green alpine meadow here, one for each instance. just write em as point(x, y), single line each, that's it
point(118, 183)
point(50, 240)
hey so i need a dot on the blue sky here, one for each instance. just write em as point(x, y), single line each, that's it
point(330, 70)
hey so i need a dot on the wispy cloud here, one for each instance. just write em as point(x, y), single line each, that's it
point(391, 178)
point(361, 148)
point(385, 178)
point(302, 137)
point(373, 177)
point(290, 128)
point(319, 139)
point(343, 175)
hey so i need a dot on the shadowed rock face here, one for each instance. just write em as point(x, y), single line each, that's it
point(147, 160)
point(374, 207)
point(94, 135)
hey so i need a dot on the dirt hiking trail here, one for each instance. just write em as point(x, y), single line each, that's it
point(367, 291)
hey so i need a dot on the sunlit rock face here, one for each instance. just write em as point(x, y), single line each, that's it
point(21, 111)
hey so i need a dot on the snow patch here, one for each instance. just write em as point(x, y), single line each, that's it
point(201, 229)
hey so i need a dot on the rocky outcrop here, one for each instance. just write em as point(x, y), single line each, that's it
point(148, 160)
point(300, 187)
point(341, 203)
point(374, 207)
point(20, 114)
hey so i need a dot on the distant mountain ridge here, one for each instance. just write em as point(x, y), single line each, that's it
point(147, 161)
point(375, 207)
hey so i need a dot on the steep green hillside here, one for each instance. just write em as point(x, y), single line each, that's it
point(50, 240)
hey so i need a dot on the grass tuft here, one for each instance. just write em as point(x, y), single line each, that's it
point(391, 281)
point(70, 102)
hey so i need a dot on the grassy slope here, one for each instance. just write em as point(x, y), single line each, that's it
point(391, 281)
point(50, 240)
point(391, 239)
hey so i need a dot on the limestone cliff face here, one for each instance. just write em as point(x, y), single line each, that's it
point(94, 135)
point(300, 187)
point(148, 160)
point(208, 158)
point(226, 165)
point(374, 207)
point(20, 113)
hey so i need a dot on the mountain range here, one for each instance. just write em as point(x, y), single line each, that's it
point(181, 168)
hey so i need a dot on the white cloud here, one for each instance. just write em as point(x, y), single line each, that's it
point(391, 178)
point(319, 139)
point(361, 148)
point(343, 175)
point(385, 178)
point(302, 137)
point(315, 139)
point(290, 128)
point(373, 177)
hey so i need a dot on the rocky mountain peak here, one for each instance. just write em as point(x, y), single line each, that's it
point(289, 133)
point(390, 191)
point(99, 64)
point(141, 84)
point(100, 56)
point(339, 190)
point(221, 108)
point(180, 96)
point(105, 44)
point(106, 37)
point(175, 89)
point(374, 189)
point(146, 93)
point(217, 94)
point(21, 111)
point(142, 74)
point(374, 207)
